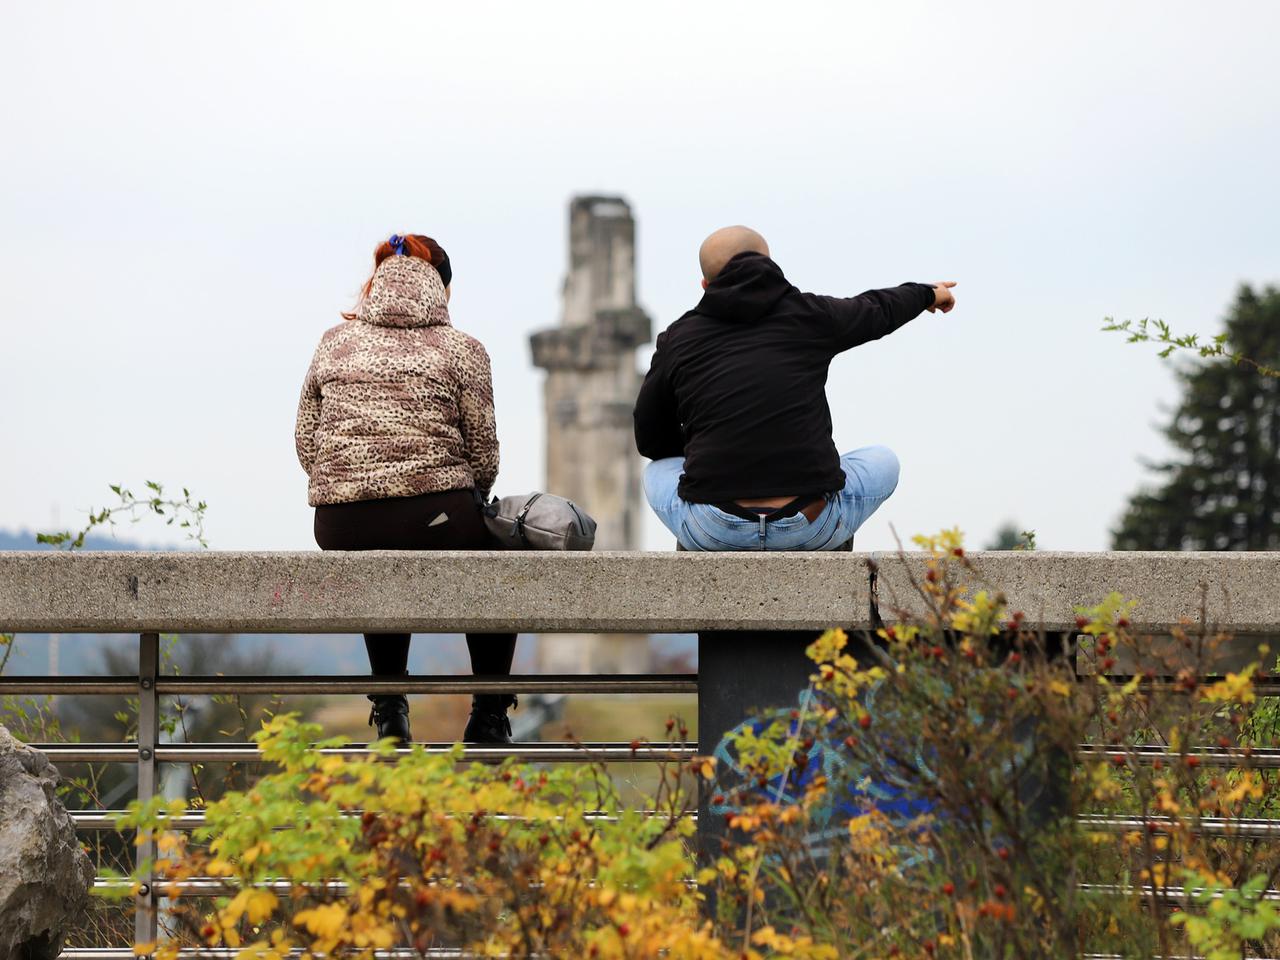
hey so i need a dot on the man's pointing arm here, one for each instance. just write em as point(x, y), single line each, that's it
point(877, 313)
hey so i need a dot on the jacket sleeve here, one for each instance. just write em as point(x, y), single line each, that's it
point(658, 432)
point(308, 423)
point(876, 313)
point(477, 421)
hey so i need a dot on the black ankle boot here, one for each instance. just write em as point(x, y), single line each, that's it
point(390, 714)
point(489, 722)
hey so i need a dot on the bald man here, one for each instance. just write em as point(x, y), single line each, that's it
point(733, 412)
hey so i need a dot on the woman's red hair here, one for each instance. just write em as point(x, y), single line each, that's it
point(415, 245)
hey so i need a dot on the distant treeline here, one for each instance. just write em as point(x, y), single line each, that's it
point(26, 540)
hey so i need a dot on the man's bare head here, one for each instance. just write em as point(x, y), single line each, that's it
point(725, 244)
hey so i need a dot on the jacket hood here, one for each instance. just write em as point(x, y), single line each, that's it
point(406, 292)
point(745, 290)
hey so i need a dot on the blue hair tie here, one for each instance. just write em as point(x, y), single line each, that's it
point(397, 244)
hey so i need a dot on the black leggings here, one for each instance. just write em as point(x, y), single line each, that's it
point(413, 523)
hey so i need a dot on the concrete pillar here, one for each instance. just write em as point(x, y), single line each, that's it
point(590, 390)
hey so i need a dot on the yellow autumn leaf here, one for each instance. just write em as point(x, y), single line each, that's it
point(253, 903)
point(828, 646)
point(326, 920)
point(1233, 688)
point(261, 904)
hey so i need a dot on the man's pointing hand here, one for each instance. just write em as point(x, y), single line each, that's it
point(943, 299)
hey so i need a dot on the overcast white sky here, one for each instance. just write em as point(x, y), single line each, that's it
point(191, 193)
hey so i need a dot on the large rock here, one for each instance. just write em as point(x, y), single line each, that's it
point(44, 873)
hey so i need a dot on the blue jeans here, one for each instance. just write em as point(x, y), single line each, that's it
point(870, 477)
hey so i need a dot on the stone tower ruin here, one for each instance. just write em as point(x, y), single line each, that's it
point(591, 386)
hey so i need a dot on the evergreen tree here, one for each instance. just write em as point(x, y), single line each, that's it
point(1010, 536)
point(1222, 490)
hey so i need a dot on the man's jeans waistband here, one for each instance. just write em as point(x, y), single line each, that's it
point(871, 475)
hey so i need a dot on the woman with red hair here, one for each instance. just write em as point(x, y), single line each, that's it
point(396, 432)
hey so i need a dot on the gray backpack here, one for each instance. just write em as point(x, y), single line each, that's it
point(539, 521)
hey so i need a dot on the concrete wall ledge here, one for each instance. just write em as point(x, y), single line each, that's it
point(313, 592)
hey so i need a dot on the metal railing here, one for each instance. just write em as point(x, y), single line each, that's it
point(143, 594)
point(149, 751)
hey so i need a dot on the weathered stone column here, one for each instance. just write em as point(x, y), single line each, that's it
point(591, 386)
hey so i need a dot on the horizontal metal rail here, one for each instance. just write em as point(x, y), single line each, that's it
point(1243, 829)
point(353, 683)
point(1167, 894)
point(93, 820)
point(609, 751)
point(228, 953)
point(1263, 758)
point(168, 686)
point(249, 752)
point(219, 886)
point(90, 820)
point(223, 887)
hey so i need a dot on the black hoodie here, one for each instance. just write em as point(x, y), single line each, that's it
point(737, 386)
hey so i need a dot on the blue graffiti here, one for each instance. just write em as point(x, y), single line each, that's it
point(859, 792)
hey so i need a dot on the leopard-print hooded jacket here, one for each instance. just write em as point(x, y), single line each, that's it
point(397, 402)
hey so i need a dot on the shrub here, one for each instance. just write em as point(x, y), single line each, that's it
point(427, 853)
point(924, 801)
